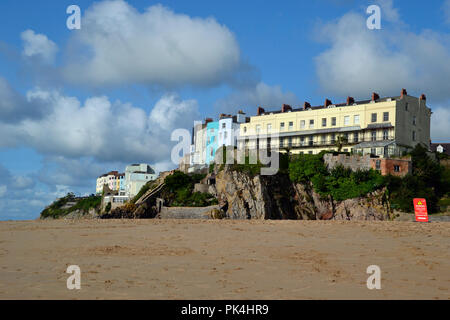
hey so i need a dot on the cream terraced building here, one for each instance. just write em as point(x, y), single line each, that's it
point(381, 126)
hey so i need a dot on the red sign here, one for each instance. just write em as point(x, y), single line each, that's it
point(420, 208)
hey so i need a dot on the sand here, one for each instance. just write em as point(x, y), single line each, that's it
point(192, 259)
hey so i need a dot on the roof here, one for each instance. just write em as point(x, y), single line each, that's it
point(446, 147)
point(337, 105)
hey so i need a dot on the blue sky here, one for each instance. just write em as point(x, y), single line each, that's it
point(77, 103)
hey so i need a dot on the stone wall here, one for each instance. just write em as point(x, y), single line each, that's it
point(186, 212)
point(354, 162)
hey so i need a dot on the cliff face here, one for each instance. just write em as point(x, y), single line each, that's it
point(242, 196)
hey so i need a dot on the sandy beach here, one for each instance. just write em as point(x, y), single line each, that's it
point(193, 259)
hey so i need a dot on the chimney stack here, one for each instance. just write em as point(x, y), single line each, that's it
point(208, 120)
point(285, 108)
point(260, 111)
point(327, 103)
point(375, 96)
point(423, 97)
point(403, 93)
point(350, 101)
point(306, 105)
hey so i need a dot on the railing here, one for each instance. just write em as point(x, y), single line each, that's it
point(323, 143)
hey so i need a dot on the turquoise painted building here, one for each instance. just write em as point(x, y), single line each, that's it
point(212, 131)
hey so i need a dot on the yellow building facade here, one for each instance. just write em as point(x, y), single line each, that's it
point(381, 126)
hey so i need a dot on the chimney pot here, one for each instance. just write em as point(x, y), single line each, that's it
point(260, 111)
point(285, 108)
point(375, 96)
point(350, 101)
point(306, 105)
point(403, 93)
point(423, 97)
point(327, 103)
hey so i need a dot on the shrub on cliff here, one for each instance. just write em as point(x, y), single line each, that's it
point(55, 210)
point(179, 191)
point(339, 183)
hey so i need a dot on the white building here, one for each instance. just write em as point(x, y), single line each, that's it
point(229, 129)
point(136, 176)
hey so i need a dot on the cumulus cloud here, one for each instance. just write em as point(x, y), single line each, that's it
point(14, 107)
point(117, 44)
point(37, 45)
point(359, 61)
point(440, 120)
point(99, 128)
point(249, 98)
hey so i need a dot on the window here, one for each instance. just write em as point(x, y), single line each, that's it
point(345, 150)
point(323, 139)
point(302, 141)
point(333, 121)
point(245, 129)
point(281, 143)
point(324, 122)
point(310, 152)
point(302, 124)
point(372, 151)
point(374, 135)
point(378, 164)
point(406, 106)
point(356, 119)
point(258, 128)
point(269, 142)
point(291, 125)
point(355, 137)
point(282, 126)
point(224, 125)
point(414, 120)
point(414, 136)
point(346, 120)
point(374, 117)
point(333, 138)
point(396, 168)
point(269, 128)
point(310, 142)
point(385, 135)
point(290, 142)
point(385, 116)
point(311, 124)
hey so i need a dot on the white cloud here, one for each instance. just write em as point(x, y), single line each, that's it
point(38, 45)
point(155, 47)
point(388, 12)
point(440, 120)
point(249, 98)
point(3, 190)
point(360, 61)
point(99, 128)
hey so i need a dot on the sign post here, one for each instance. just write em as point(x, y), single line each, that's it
point(420, 209)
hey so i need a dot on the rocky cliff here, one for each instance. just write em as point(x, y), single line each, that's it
point(243, 196)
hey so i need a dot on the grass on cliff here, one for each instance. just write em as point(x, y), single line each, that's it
point(55, 210)
point(179, 191)
point(339, 183)
point(429, 180)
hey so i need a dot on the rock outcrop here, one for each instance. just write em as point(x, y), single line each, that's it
point(243, 196)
